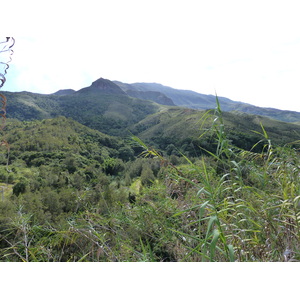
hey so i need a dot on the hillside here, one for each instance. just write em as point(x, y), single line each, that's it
point(122, 104)
point(185, 98)
point(107, 106)
point(102, 106)
point(52, 140)
point(71, 192)
point(108, 113)
point(194, 100)
point(181, 128)
point(110, 106)
point(30, 106)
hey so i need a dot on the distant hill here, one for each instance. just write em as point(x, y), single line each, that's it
point(119, 109)
point(102, 106)
point(155, 96)
point(180, 128)
point(64, 92)
point(26, 105)
point(181, 97)
point(109, 113)
point(196, 100)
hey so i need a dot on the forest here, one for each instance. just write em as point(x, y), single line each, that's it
point(73, 194)
point(98, 175)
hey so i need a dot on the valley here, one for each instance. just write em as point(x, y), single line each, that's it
point(143, 172)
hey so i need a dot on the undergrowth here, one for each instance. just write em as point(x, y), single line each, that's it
point(231, 205)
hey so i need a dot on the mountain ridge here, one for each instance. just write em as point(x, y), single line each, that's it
point(115, 107)
point(165, 95)
point(195, 100)
point(106, 107)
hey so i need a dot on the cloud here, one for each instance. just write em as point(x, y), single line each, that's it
point(247, 52)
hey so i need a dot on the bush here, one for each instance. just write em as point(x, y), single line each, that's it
point(147, 176)
point(20, 187)
point(113, 166)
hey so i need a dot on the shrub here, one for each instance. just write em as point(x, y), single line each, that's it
point(147, 176)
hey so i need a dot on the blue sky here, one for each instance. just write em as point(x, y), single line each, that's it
point(244, 50)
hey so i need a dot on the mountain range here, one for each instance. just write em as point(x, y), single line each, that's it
point(166, 96)
point(161, 115)
point(196, 100)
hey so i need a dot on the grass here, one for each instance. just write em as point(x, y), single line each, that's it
point(247, 210)
point(231, 205)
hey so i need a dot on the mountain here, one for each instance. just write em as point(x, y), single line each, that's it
point(119, 109)
point(102, 106)
point(111, 97)
point(26, 106)
point(102, 85)
point(194, 100)
point(64, 92)
point(184, 98)
point(151, 95)
point(155, 96)
point(179, 129)
point(73, 193)
point(274, 113)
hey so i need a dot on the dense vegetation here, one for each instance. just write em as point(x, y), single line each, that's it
point(108, 113)
point(71, 193)
point(185, 129)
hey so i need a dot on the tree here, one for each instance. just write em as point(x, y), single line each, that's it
point(147, 176)
point(20, 187)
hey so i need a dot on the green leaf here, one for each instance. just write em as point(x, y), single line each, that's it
point(231, 253)
point(211, 222)
point(213, 244)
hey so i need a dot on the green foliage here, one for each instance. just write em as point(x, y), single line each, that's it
point(20, 187)
point(109, 113)
point(147, 176)
point(112, 166)
point(198, 131)
point(71, 193)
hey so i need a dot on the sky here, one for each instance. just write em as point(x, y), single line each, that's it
point(244, 50)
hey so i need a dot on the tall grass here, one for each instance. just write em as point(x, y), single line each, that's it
point(250, 210)
point(247, 205)
point(229, 205)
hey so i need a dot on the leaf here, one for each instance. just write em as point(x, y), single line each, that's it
point(213, 244)
point(264, 131)
point(231, 253)
point(202, 209)
point(211, 222)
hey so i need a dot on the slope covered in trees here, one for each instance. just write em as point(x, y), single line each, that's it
point(189, 131)
point(108, 113)
point(96, 175)
point(71, 193)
